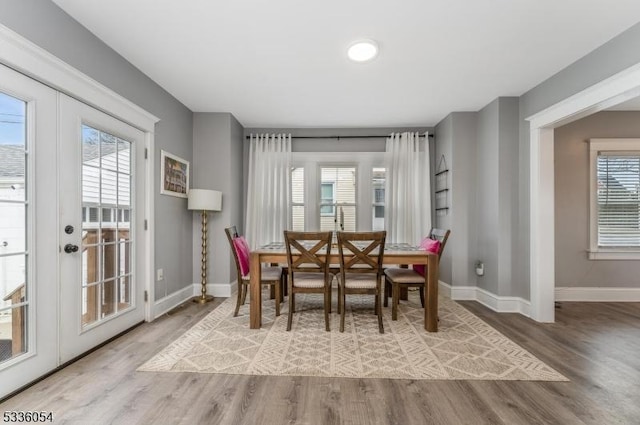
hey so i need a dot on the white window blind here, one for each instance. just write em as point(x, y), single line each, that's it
point(618, 206)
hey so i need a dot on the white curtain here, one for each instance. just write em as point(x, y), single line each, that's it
point(268, 188)
point(408, 188)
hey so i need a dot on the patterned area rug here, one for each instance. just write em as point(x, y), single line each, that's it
point(464, 348)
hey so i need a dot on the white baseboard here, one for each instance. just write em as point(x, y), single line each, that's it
point(597, 294)
point(171, 301)
point(223, 290)
point(496, 303)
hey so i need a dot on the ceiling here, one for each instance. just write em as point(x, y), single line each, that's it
point(282, 63)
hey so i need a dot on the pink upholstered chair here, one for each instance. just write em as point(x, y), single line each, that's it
point(397, 278)
point(270, 275)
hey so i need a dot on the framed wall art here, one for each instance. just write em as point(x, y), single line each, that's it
point(174, 175)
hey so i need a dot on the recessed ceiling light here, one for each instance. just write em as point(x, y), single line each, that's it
point(363, 51)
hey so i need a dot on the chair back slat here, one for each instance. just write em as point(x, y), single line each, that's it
point(361, 252)
point(308, 251)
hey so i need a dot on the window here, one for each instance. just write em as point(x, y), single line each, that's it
point(297, 199)
point(615, 201)
point(330, 189)
point(377, 184)
point(338, 198)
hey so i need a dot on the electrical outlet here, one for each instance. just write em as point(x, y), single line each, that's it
point(159, 274)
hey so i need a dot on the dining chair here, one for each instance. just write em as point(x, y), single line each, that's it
point(308, 268)
point(361, 255)
point(397, 278)
point(272, 276)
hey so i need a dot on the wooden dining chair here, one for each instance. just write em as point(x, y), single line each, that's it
point(397, 278)
point(272, 276)
point(361, 255)
point(308, 268)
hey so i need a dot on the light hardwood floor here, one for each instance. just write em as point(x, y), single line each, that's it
point(596, 346)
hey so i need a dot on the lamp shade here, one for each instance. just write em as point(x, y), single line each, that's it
point(204, 199)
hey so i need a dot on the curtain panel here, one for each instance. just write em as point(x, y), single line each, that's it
point(408, 188)
point(268, 204)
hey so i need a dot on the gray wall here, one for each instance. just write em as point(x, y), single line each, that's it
point(456, 138)
point(573, 268)
point(46, 25)
point(217, 158)
point(443, 220)
point(496, 184)
point(618, 54)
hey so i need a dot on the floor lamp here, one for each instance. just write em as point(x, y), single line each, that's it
point(204, 200)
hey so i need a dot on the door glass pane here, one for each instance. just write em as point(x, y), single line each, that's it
point(13, 228)
point(107, 214)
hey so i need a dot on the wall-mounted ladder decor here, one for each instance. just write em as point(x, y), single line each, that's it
point(442, 188)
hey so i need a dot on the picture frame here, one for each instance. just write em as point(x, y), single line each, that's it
point(174, 175)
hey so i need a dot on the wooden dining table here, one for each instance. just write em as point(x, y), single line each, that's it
point(399, 254)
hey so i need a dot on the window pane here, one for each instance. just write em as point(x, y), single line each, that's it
point(326, 197)
point(378, 186)
point(124, 293)
point(13, 331)
point(13, 228)
point(297, 222)
point(618, 200)
point(297, 185)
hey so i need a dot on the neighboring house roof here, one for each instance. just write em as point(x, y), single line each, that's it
point(12, 161)
point(92, 150)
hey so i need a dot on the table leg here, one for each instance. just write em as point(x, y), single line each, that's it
point(431, 284)
point(255, 302)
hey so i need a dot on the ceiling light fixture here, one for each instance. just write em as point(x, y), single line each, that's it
point(363, 51)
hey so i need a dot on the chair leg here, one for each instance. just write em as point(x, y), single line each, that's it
point(339, 299)
point(395, 297)
point(344, 308)
point(327, 307)
point(386, 292)
point(422, 289)
point(379, 312)
point(245, 289)
point(278, 297)
point(238, 302)
point(291, 302)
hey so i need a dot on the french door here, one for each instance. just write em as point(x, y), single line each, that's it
point(28, 226)
point(102, 177)
point(72, 244)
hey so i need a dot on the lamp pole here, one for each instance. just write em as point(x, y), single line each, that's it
point(204, 200)
point(204, 298)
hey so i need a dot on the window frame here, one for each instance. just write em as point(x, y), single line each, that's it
point(596, 147)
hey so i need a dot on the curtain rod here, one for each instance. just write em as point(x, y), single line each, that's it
point(342, 137)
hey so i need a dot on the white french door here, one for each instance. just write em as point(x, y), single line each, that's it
point(28, 230)
point(102, 273)
point(72, 244)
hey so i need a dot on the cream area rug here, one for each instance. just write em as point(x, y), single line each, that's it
point(464, 348)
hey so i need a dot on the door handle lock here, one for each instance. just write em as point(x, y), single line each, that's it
point(69, 248)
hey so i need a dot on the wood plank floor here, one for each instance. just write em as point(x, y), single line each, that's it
point(596, 346)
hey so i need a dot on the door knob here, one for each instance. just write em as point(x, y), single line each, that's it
point(69, 248)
